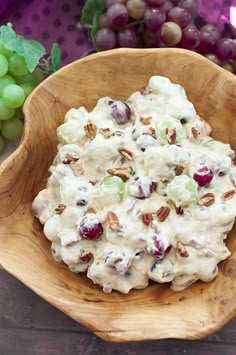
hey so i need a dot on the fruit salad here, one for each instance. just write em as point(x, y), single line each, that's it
point(139, 191)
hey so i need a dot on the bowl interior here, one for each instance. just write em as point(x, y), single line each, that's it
point(155, 312)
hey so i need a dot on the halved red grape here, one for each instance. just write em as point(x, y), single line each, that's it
point(117, 15)
point(89, 229)
point(190, 37)
point(120, 112)
point(203, 176)
point(160, 248)
point(141, 187)
point(180, 16)
point(154, 18)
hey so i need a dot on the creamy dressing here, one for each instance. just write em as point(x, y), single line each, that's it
point(153, 219)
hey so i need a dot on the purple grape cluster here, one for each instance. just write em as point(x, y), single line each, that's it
point(164, 23)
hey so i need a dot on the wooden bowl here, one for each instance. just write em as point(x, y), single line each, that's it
point(155, 312)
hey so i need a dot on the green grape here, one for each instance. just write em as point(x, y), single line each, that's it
point(28, 88)
point(169, 123)
point(114, 182)
point(26, 79)
point(5, 80)
point(4, 51)
point(13, 96)
point(12, 128)
point(182, 190)
point(17, 65)
point(5, 112)
point(2, 144)
point(38, 75)
point(19, 112)
point(3, 65)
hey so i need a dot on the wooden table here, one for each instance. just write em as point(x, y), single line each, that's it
point(29, 325)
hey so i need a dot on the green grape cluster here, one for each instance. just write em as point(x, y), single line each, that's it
point(16, 83)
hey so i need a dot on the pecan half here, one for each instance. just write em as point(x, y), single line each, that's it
point(179, 170)
point(106, 132)
point(171, 135)
point(145, 90)
point(60, 208)
point(86, 256)
point(207, 199)
point(162, 213)
point(69, 158)
point(228, 195)
point(126, 153)
point(113, 221)
point(147, 219)
point(195, 132)
point(182, 250)
point(150, 131)
point(76, 168)
point(179, 210)
point(146, 120)
point(90, 130)
point(123, 173)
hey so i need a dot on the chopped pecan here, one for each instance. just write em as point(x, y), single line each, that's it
point(113, 221)
point(126, 153)
point(147, 219)
point(179, 210)
point(179, 170)
point(123, 173)
point(60, 208)
point(68, 158)
point(171, 135)
point(182, 250)
point(228, 195)
point(150, 131)
point(76, 168)
point(162, 213)
point(207, 199)
point(90, 130)
point(145, 90)
point(146, 120)
point(106, 132)
point(195, 132)
point(86, 256)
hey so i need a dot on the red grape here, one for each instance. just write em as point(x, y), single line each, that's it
point(191, 6)
point(212, 29)
point(161, 247)
point(150, 38)
point(128, 37)
point(203, 176)
point(155, 2)
point(154, 18)
point(105, 39)
point(167, 6)
point(111, 2)
point(141, 187)
point(225, 49)
point(213, 58)
point(207, 42)
point(136, 8)
point(170, 33)
point(180, 16)
point(104, 21)
point(190, 37)
point(120, 112)
point(117, 15)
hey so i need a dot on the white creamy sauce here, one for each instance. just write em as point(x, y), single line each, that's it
point(164, 216)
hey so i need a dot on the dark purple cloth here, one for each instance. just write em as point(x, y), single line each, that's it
point(48, 21)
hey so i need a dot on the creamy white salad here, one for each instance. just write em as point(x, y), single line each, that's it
point(139, 190)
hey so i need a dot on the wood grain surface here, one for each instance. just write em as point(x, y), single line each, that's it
point(155, 312)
